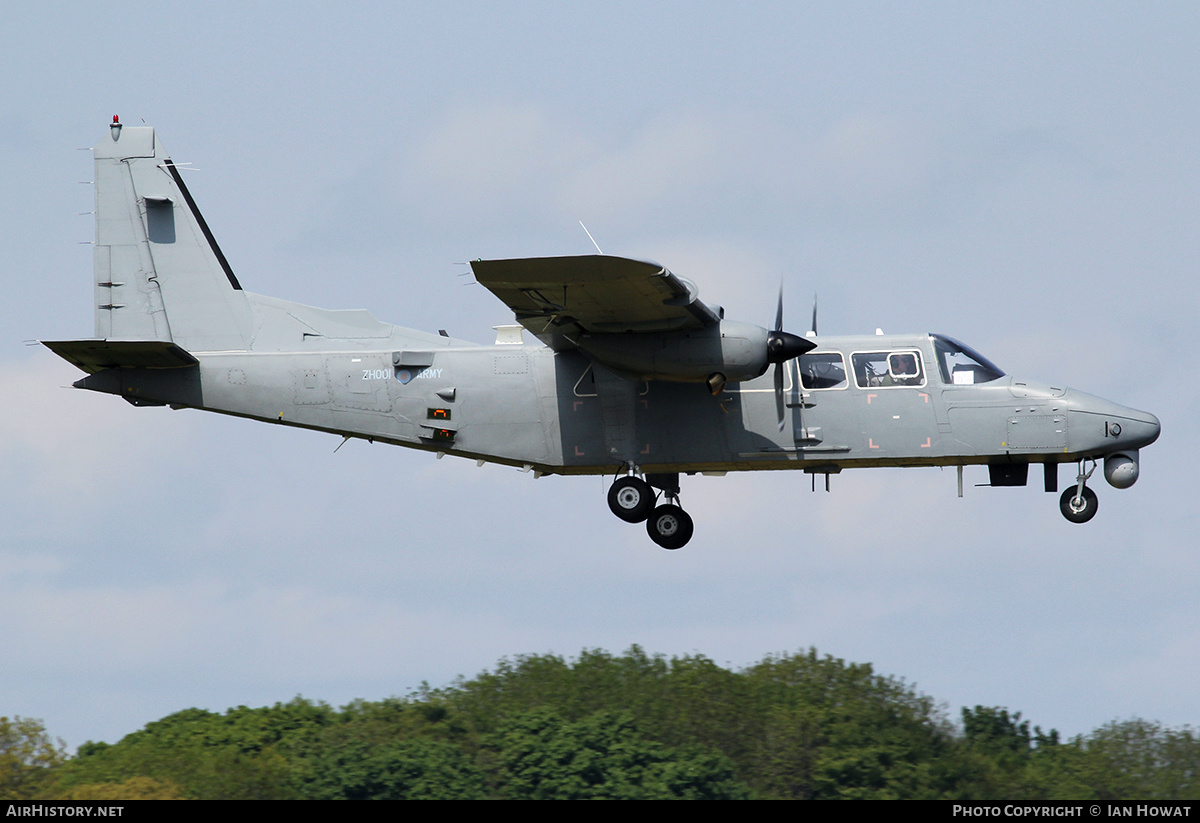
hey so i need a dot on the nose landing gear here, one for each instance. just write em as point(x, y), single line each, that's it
point(1078, 503)
point(632, 499)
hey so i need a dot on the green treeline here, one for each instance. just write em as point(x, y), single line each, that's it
point(614, 726)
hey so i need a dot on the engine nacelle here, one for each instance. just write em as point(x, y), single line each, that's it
point(1121, 469)
point(736, 350)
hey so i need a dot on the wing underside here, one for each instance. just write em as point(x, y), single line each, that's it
point(558, 298)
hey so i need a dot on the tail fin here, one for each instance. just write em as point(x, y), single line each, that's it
point(159, 273)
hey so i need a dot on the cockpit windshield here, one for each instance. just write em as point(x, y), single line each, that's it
point(961, 365)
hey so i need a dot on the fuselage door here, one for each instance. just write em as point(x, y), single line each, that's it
point(896, 411)
point(822, 411)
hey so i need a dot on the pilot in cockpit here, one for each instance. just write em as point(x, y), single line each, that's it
point(902, 370)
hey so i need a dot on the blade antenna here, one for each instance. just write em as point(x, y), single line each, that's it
point(589, 234)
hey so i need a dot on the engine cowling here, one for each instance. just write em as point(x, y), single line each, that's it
point(739, 351)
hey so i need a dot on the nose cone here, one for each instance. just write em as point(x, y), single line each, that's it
point(1142, 428)
point(783, 346)
point(1101, 425)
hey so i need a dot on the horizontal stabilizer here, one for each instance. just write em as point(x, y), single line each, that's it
point(97, 355)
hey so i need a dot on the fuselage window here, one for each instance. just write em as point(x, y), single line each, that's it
point(823, 370)
point(881, 369)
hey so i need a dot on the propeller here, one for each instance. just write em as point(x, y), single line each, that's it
point(783, 346)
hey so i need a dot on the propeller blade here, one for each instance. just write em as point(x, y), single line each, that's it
point(779, 393)
point(814, 320)
point(783, 346)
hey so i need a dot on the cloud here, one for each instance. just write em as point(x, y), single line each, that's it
point(64, 450)
point(665, 168)
point(492, 157)
point(868, 162)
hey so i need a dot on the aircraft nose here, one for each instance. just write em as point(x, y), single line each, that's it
point(1099, 424)
point(1141, 428)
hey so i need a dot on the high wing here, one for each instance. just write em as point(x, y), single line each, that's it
point(558, 298)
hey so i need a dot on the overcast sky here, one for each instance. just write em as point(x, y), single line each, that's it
point(1021, 176)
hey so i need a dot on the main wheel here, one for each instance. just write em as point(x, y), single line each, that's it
point(1078, 509)
point(669, 526)
point(631, 499)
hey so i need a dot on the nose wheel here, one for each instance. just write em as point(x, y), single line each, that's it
point(1076, 507)
point(1078, 503)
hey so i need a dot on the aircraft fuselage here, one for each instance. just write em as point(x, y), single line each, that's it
point(526, 405)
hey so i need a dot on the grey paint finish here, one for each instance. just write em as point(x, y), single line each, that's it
point(623, 384)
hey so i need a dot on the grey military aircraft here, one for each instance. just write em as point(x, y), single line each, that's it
point(634, 375)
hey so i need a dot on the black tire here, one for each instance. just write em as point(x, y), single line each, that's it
point(1078, 511)
point(631, 499)
point(669, 526)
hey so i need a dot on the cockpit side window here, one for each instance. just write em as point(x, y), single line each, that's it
point(961, 365)
point(823, 370)
point(904, 367)
point(882, 369)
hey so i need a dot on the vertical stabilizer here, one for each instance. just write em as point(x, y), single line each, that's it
point(159, 273)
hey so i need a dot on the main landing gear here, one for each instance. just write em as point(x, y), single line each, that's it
point(632, 499)
point(669, 526)
point(1078, 503)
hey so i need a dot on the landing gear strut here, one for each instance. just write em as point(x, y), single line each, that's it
point(1078, 503)
point(632, 499)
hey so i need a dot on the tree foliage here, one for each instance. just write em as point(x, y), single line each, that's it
point(235, 755)
point(633, 725)
point(602, 756)
point(412, 769)
point(133, 788)
point(1132, 759)
point(27, 755)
